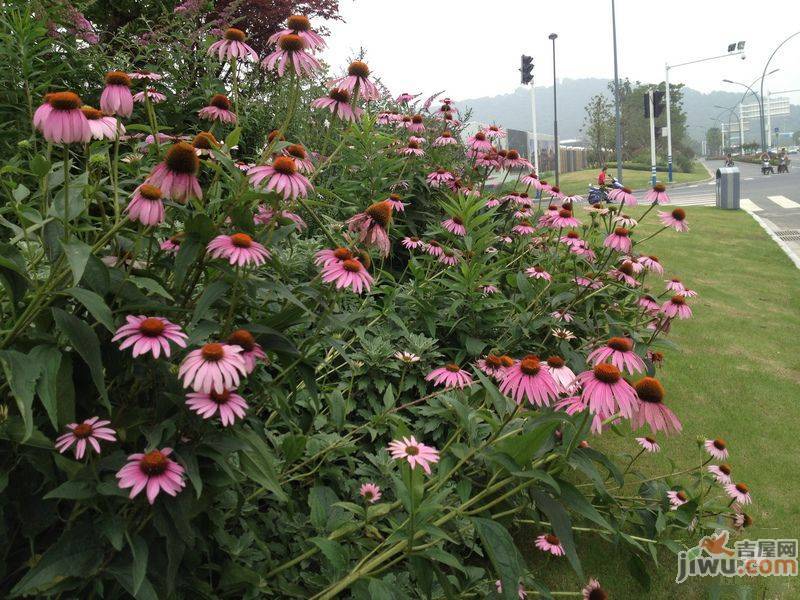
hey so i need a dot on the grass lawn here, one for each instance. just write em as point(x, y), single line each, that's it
point(577, 181)
point(735, 375)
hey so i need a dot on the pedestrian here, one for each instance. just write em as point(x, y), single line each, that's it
point(601, 177)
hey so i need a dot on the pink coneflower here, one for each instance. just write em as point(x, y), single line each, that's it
point(531, 179)
point(563, 376)
point(649, 304)
point(717, 448)
point(407, 357)
point(149, 94)
point(64, 121)
point(528, 379)
point(415, 124)
point(233, 45)
point(102, 126)
point(523, 213)
point(625, 221)
point(606, 392)
point(40, 115)
point(396, 202)
point(176, 177)
point(537, 272)
point(492, 365)
point(357, 78)
point(550, 543)
point(555, 192)
point(252, 351)
point(619, 352)
point(300, 156)
point(677, 498)
point(149, 334)
point(564, 218)
point(675, 285)
point(741, 519)
point(651, 263)
point(593, 591)
point(494, 132)
point(440, 176)
point(563, 334)
point(489, 159)
point(488, 290)
point(739, 492)
point(572, 239)
point(434, 248)
point(445, 139)
point(89, 432)
point(619, 240)
point(412, 243)
point(204, 144)
point(520, 590)
point(227, 403)
point(283, 178)
point(116, 98)
point(291, 51)
point(676, 219)
point(523, 228)
point(154, 471)
point(218, 109)
point(213, 367)
point(648, 444)
point(448, 258)
point(347, 273)
point(338, 102)
point(493, 202)
point(625, 273)
point(676, 307)
point(624, 196)
point(479, 143)
point(172, 244)
point(416, 453)
point(412, 148)
point(326, 256)
point(562, 315)
point(455, 225)
point(405, 98)
point(239, 248)
point(267, 215)
point(513, 160)
point(301, 26)
point(386, 118)
point(657, 195)
point(450, 376)
point(146, 205)
point(721, 473)
point(370, 492)
point(145, 75)
point(372, 225)
point(651, 410)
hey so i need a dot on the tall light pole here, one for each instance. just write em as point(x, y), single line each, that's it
point(763, 75)
point(733, 50)
point(616, 94)
point(759, 99)
point(553, 37)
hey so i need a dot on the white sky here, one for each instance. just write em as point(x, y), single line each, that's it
point(472, 47)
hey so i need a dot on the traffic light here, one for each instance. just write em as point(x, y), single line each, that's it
point(527, 69)
point(658, 103)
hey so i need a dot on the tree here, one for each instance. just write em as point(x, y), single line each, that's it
point(598, 127)
point(714, 141)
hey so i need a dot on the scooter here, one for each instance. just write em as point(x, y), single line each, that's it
point(598, 194)
point(766, 168)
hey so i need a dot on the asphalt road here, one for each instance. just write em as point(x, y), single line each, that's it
point(775, 199)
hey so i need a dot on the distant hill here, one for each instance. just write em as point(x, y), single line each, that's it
point(513, 110)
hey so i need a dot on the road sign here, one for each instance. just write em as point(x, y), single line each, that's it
point(778, 107)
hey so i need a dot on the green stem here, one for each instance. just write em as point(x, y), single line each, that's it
point(66, 193)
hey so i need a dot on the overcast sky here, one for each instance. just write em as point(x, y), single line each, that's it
point(471, 47)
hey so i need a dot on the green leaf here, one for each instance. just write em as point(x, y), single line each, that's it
point(334, 552)
point(232, 138)
point(49, 360)
point(213, 292)
point(21, 373)
point(150, 285)
point(95, 305)
point(77, 254)
point(72, 490)
point(189, 459)
point(187, 256)
point(320, 499)
point(378, 590)
point(562, 527)
point(578, 503)
point(84, 340)
point(502, 553)
point(522, 448)
point(140, 554)
point(39, 165)
point(257, 463)
point(293, 447)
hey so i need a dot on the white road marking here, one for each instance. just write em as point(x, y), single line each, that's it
point(693, 186)
point(749, 178)
point(784, 202)
point(749, 206)
point(711, 183)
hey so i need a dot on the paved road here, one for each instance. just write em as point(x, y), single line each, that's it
point(775, 199)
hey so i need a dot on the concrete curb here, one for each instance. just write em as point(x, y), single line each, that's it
point(783, 245)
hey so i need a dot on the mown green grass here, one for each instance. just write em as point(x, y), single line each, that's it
point(736, 375)
point(577, 181)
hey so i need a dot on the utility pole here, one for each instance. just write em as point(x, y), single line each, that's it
point(553, 37)
point(652, 137)
point(616, 94)
point(669, 127)
point(741, 130)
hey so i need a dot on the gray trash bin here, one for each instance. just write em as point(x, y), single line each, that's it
point(728, 188)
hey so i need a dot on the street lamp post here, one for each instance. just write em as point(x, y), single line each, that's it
point(553, 37)
point(616, 95)
point(759, 99)
point(763, 75)
point(739, 49)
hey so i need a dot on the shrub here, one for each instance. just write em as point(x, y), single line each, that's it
point(236, 366)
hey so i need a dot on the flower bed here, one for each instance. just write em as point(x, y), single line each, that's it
point(321, 358)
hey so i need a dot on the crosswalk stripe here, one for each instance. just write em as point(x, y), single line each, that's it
point(749, 205)
point(784, 202)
